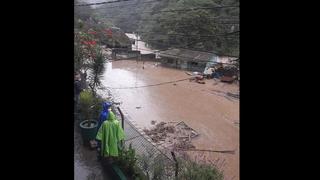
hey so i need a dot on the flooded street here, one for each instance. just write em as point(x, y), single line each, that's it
point(202, 106)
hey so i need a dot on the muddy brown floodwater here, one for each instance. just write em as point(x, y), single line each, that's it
point(202, 106)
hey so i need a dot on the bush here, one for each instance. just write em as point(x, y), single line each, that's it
point(86, 102)
point(127, 160)
point(97, 108)
point(160, 170)
point(191, 170)
point(90, 105)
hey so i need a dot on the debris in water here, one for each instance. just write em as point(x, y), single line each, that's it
point(184, 145)
point(237, 96)
point(226, 79)
point(183, 126)
point(201, 82)
point(175, 136)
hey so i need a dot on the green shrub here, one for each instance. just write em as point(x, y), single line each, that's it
point(90, 105)
point(159, 172)
point(188, 169)
point(87, 100)
point(127, 160)
point(191, 170)
point(97, 108)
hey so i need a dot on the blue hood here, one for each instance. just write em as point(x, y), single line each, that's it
point(104, 113)
point(106, 106)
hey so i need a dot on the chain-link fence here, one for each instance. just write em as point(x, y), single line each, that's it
point(155, 163)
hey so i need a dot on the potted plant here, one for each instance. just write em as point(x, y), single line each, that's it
point(89, 125)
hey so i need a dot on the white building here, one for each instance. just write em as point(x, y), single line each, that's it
point(140, 45)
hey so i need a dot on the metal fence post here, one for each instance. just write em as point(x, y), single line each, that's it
point(176, 164)
point(122, 117)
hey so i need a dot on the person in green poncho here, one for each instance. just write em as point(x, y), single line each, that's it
point(110, 134)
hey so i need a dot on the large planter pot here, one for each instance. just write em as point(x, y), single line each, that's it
point(88, 132)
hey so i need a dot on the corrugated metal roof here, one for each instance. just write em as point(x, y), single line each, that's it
point(187, 55)
point(131, 36)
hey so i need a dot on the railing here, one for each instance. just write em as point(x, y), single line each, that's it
point(150, 158)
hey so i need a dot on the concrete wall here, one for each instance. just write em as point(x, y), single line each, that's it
point(200, 66)
point(225, 59)
point(184, 65)
point(181, 64)
point(148, 56)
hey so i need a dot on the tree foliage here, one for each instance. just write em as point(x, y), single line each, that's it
point(198, 29)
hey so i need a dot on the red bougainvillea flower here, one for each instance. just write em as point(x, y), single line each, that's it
point(89, 42)
point(85, 42)
point(92, 32)
point(108, 32)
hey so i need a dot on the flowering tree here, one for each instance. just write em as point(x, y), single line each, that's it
point(88, 56)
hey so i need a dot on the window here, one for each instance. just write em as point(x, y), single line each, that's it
point(170, 61)
point(194, 64)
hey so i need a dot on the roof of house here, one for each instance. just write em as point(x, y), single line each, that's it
point(187, 55)
point(131, 36)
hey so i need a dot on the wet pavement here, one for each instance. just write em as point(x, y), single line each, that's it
point(204, 107)
point(86, 166)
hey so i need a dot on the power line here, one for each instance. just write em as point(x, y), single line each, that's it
point(100, 3)
point(192, 9)
point(177, 56)
point(126, 15)
point(186, 9)
point(187, 35)
point(215, 17)
point(178, 10)
point(172, 10)
point(137, 3)
point(155, 12)
point(132, 4)
point(159, 19)
point(186, 47)
point(151, 85)
point(225, 21)
point(225, 35)
point(153, 51)
point(194, 40)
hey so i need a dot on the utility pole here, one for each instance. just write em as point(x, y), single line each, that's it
point(138, 38)
point(137, 46)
